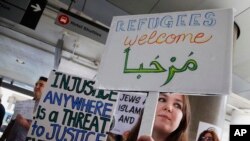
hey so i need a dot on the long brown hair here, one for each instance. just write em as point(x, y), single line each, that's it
point(212, 132)
point(180, 134)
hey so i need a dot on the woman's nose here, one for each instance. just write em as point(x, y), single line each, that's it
point(168, 107)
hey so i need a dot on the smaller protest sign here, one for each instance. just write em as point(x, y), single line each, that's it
point(24, 108)
point(128, 109)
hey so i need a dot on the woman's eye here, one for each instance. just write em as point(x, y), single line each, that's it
point(177, 105)
point(162, 99)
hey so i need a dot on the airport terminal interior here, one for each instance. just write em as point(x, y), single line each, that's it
point(30, 50)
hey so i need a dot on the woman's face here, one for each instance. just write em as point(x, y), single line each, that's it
point(207, 137)
point(169, 112)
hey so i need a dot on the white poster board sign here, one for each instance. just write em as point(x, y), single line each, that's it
point(24, 108)
point(128, 109)
point(187, 51)
point(71, 109)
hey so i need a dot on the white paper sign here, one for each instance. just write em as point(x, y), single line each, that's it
point(24, 108)
point(128, 109)
point(187, 51)
point(71, 109)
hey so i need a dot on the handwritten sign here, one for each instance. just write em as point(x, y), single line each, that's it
point(71, 109)
point(129, 108)
point(187, 51)
point(24, 108)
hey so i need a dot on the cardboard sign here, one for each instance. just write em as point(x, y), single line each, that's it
point(187, 51)
point(71, 109)
point(128, 109)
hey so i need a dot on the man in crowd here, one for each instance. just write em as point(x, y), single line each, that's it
point(18, 128)
point(2, 113)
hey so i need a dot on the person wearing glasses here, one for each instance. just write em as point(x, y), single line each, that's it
point(208, 135)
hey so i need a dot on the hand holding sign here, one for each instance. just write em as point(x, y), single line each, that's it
point(24, 108)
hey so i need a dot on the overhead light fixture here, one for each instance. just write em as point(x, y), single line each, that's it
point(20, 61)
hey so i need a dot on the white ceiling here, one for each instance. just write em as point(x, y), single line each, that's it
point(81, 55)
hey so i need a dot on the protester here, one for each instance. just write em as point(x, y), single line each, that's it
point(208, 135)
point(17, 129)
point(171, 120)
point(2, 113)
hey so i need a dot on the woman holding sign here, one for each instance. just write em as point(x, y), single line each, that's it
point(171, 120)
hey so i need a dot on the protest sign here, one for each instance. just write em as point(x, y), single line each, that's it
point(24, 108)
point(155, 52)
point(128, 109)
point(71, 109)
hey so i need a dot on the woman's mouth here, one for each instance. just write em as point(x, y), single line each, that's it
point(164, 116)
